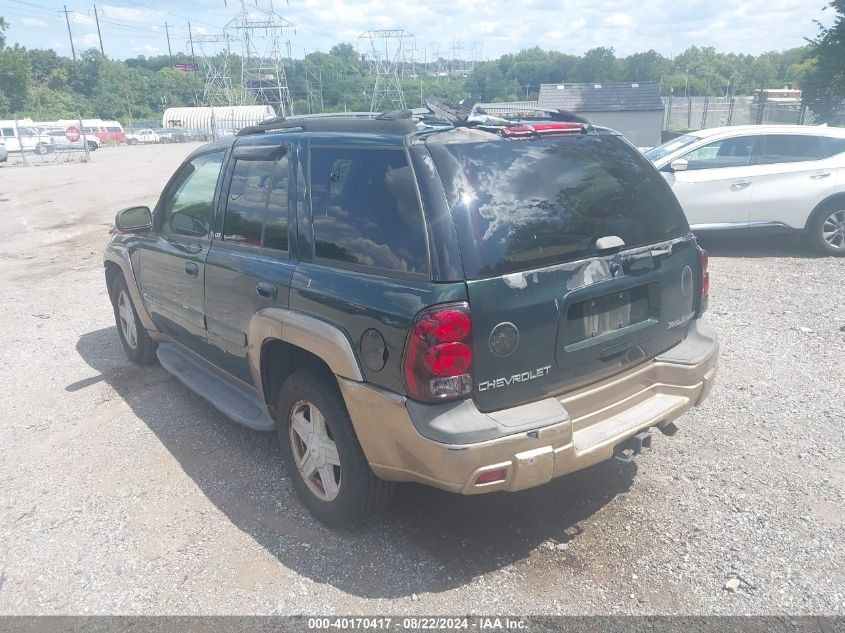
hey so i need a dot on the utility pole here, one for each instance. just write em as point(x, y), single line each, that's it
point(70, 36)
point(191, 40)
point(100, 35)
point(169, 52)
point(128, 105)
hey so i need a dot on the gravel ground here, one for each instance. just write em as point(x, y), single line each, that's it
point(122, 492)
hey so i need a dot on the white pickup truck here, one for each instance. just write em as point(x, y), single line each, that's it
point(143, 136)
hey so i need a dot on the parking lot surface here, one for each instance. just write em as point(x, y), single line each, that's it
point(122, 492)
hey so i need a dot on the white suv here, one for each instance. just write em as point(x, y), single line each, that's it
point(785, 177)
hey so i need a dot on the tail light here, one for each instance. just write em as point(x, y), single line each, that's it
point(438, 355)
point(704, 299)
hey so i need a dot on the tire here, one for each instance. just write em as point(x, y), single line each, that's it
point(137, 344)
point(826, 229)
point(357, 494)
point(41, 149)
point(132, 141)
point(92, 147)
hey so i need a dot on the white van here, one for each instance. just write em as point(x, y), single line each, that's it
point(24, 135)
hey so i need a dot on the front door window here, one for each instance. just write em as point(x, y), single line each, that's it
point(188, 206)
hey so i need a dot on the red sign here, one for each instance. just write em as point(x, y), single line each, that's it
point(72, 134)
point(187, 68)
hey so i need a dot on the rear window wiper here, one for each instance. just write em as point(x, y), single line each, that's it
point(645, 261)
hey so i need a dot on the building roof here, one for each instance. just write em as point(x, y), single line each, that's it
point(610, 97)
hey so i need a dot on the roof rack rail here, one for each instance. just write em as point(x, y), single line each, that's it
point(302, 121)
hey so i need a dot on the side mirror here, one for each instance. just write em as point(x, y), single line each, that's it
point(134, 219)
point(679, 164)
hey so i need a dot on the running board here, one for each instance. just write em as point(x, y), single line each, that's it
point(237, 402)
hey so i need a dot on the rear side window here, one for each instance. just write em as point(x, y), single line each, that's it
point(8, 132)
point(790, 148)
point(519, 205)
point(366, 210)
point(832, 146)
point(247, 201)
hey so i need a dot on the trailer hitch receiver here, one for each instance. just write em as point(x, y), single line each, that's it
point(625, 451)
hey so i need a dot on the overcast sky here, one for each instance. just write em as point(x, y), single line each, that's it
point(484, 29)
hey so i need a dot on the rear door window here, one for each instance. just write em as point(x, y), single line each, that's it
point(519, 205)
point(790, 148)
point(832, 146)
point(246, 203)
point(276, 226)
point(366, 210)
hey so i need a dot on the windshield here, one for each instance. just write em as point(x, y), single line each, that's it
point(519, 205)
point(671, 146)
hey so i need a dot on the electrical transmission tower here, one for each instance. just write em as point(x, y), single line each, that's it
point(314, 88)
point(217, 63)
point(385, 51)
point(261, 33)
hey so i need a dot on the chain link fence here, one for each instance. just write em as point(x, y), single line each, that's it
point(696, 113)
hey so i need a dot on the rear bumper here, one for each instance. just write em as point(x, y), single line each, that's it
point(569, 432)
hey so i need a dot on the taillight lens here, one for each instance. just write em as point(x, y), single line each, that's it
point(438, 355)
point(705, 281)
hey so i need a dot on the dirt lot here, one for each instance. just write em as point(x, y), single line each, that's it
point(122, 492)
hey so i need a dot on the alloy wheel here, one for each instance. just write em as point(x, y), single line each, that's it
point(126, 319)
point(315, 451)
point(833, 229)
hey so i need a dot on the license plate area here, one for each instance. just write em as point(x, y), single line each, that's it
point(598, 316)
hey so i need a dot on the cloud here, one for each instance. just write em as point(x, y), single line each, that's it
point(618, 20)
point(89, 40)
point(131, 14)
point(146, 49)
point(83, 20)
point(33, 22)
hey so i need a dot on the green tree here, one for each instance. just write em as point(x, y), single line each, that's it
point(15, 77)
point(3, 27)
point(648, 66)
point(598, 66)
point(824, 80)
point(486, 81)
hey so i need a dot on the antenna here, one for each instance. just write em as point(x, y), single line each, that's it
point(386, 54)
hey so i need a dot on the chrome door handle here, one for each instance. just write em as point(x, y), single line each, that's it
point(820, 176)
point(742, 184)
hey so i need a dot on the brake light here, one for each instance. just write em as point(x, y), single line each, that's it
point(438, 355)
point(536, 130)
point(705, 281)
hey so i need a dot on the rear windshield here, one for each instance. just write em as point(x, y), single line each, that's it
point(519, 205)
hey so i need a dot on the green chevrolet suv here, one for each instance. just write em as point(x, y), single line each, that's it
point(476, 309)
